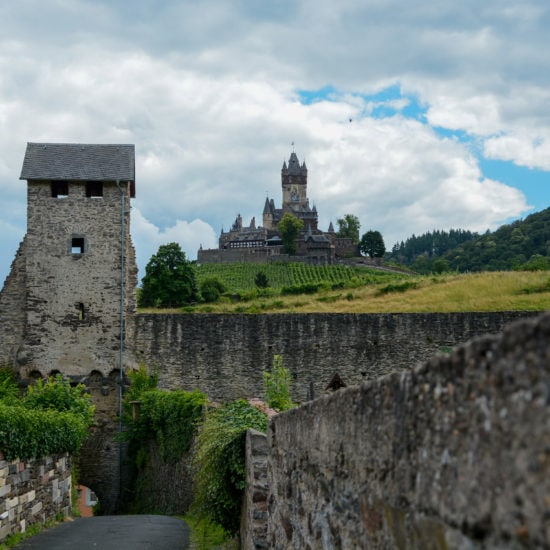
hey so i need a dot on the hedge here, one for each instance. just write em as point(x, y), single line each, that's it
point(26, 433)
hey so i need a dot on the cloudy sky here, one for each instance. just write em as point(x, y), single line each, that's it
point(411, 114)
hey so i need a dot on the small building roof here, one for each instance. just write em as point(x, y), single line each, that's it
point(79, 162)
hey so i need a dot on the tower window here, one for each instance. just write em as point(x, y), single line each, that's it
point(60, 189)
point(94, 189)
point(77, 245)
point(81, 311)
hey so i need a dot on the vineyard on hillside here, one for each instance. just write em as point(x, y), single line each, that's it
point(239, 277)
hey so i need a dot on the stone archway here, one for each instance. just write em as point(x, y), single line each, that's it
point(101, 456)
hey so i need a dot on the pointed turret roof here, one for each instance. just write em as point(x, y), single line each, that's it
point(294, 164)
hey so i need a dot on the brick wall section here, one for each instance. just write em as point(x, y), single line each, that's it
point(254, 510)
point(12, 309)
point(452, 454)
point(225, 355)
point(33, 491)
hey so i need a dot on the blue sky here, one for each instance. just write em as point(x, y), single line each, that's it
point(449, 105)
point(532, 182)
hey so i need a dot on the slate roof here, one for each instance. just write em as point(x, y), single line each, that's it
point(77, 161)
point(294, 168)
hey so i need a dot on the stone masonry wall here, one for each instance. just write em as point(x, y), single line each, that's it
point(454, 454)
point(72, 299)
point(33, 491)
point(254, 509)
point(12, 309)
point(225, 355)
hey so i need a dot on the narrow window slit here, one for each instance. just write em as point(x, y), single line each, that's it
point(77, 245)
point(81, 312)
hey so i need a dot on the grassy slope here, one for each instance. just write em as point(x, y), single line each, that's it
point(488, 291)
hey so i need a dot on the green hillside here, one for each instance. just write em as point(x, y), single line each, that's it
point(523, 244)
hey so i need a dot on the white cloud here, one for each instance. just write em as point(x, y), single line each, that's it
point(148, 237)
point(209, 95)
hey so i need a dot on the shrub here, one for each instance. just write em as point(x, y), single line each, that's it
point(9, 391)
point(261, 280)
point(277, 386)
point(307, 288)
point(169, 418)
point(58, 394)
point(220, 462)
point(537, 262)
point(211, 289)
point(397, 287)
point(26, 433)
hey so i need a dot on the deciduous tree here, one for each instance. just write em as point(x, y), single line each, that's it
point(348, 227)
point(289, 228)
point(372, 244)
point(169, 279)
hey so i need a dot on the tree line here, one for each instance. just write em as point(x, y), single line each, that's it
point(523, 244)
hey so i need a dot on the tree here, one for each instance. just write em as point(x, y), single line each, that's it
point(261, 280)
point(169, 279)
point(372, 244)
point(211, 289)
point(348, 227)
point(289, 228)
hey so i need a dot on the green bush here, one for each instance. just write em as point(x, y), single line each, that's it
point(169, 418)
point(537, 262)
point(398, 287)
point(211, 289)
point(261, 280)
point(58, 394)
point(51, 418)
point(9, 392)
point(26, 433)
point(306, 288)
point(220, 462)
point(277, 386)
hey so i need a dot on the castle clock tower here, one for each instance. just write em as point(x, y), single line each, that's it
point(294, 184)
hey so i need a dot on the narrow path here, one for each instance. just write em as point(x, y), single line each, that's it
point(146, 532)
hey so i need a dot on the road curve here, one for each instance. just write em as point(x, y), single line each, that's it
point(140, 532)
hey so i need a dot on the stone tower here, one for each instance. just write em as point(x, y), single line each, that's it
point(294, 184)
point(76, 264)
point(69, 299)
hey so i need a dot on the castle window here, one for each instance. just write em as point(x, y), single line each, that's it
point(94, 189)
point(60, 189)
point(77, 245)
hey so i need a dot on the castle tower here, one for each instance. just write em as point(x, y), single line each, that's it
point(294, 184)
point(68, 301)
point(79, 264)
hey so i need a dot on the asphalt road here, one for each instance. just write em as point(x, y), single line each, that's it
point(146, 532)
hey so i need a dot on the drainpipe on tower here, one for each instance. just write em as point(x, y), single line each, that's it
point(121, 333)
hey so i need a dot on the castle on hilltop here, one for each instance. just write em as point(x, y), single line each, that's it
point(260, 244)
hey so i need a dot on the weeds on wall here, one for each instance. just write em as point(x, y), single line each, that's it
point(277, 386)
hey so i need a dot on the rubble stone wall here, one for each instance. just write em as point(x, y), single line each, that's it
point(225, 355)
point(454, 453)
